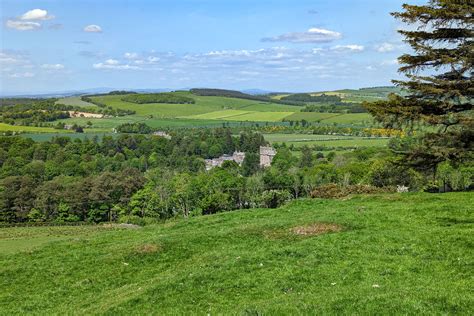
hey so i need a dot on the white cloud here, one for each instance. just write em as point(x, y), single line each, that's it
point(8, 59)
point(153, 59)
point(52, 66)
point(93, 29)
point(22, 75)
point(22, 26)
point(385, 48)
point(131, 55)
point(348, 48)
point(112, 62)
point(14, 59)
point(313, 35)
point(37, 14)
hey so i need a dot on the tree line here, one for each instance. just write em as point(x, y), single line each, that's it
point(137, 178)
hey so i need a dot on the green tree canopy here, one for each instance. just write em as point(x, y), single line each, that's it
point(439, 86)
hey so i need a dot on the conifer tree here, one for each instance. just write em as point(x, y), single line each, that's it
point(438, 95)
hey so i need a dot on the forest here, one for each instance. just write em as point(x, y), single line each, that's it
point(137, 178)
point(158, 98)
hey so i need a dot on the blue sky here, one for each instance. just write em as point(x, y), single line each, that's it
point(275, 45)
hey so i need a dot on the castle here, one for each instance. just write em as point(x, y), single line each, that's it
point(266, 157)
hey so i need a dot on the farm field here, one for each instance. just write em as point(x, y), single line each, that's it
point(42, 137)
point(204, 104)
point(347, 118)
point(74, 101)
point(238, 115)
point(381, 254)
point(299, 140)
point(32, 129)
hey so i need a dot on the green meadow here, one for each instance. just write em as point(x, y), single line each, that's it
point(365, 255)
point(299, 140)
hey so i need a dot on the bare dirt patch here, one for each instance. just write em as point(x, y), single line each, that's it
point(147, 248)
point(85, 114)
point(316, 229)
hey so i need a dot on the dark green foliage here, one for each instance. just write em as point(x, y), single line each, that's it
point(136, 128)
point(340, 107)
point(170, 98)
point(251, 164)
point(240, 95)
point(106, 110)
point(440, 86)
point(33, 111)
point(305, 97)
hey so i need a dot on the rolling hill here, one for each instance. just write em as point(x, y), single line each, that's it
point(409, 253)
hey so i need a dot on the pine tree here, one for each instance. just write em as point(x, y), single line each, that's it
point(438, 94)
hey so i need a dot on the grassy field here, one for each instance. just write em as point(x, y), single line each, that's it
point(386, 254)
point(74, 101)
point(32, 129)
point(203, 105)
point(299, 140)
point(48, 136)
point(239, 115)
point(349, 118)
point(205, 110)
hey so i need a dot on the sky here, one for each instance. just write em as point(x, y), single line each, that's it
point(276, 45)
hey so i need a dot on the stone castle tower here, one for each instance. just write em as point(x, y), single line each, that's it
point(266, 156)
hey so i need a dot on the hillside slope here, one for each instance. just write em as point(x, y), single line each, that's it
point(387, 254)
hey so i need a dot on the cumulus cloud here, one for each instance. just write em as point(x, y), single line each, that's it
point(92, 28)
point(313, 35)
point(52, 66)
point(114, 64)
point(22, 25)
point(131, 55)
point(15, 59)
point(348, 48)
point(22, 75)
point(388, 47)
point(36, 14)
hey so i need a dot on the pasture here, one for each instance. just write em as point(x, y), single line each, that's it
point(300, 140)
point(30, 129)
point(76, 101)
point(382, 254)
point(338, 118)
point(238, 115)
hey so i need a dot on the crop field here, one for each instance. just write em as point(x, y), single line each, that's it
point(238, 115)
point(299, 140)
point(348, 118)
point(76, 101)
point(205, 111)
point(43, 137)
point(311, 116)
point(33, 129)
point(365, 255)
point(203, 105)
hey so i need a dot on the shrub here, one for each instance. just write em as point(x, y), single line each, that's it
point(275, 198)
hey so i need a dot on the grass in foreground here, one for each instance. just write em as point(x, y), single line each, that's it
point(386, 254)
